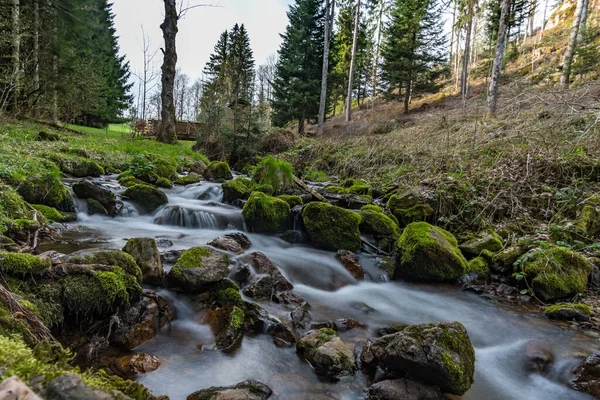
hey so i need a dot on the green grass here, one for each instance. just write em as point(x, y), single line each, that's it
point(113, 129)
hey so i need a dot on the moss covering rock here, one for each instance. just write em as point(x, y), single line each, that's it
point(22, 264)
point(486, 240)
point(115, 258)
point(555, 272)
point(147, 197)
point(145, 253)
point(218, 170)
point(569, 311)
point(50, 213)
point(380, 226)
point(197, 268)
point(247, 390)
point(227, 325)
point(163, 183)
point(293, 201)
point(277, 174)
point(235, 189)
point(428, 253)
point(332, 228)
point(440, 354)
point(188, 179)
point(47, 190)
point(264, 188)
point(79, 167)
point(326, 353)
point(266, 214)
point(479, 266)
point(94, 207)
point(408, 206)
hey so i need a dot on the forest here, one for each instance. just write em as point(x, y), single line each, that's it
point(400, 201)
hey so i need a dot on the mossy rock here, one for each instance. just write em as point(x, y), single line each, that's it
point(266, 189)
point(266, 214)
point(80, 167)
point(163, 183)
point(429, 253)
point(115, 258)
point(130, 181)
point(382, 227)
point(407, 206)
point(94, 207)
point(45, 136)
point(569, 311)
point(372, 207)
point(479, 266)
point(147, 197)
point(50, 213)
point(504, 259)
point(47, 190)
point(228, 293)
point(218, 170)
point(335, 189)
point(187, 180)
point(332, 228)
point(293, 201)
point(227, 325)
point(487, 240)
point(235, 189)
point(197, 268)
point(278, 174)
point(22, 264)
point(555, 272)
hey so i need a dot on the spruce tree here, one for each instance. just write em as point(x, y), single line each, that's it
point(413, 52)
point(297, 83)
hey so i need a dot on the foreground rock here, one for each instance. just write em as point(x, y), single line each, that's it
point(146, 255)
point(247, 390)
point(147, 197)
point(429, 253)
point(569, 311)
point(14, 388)
point(440, 354)
point(137, 364)
point(587, 376)
point(227, 325)
point(71, 387)
point(403, 389)
point(197, 268)
point(47, 191)
point(555, 272)
point(326, 353)
point(87, 190)
point(233, 242)
point(262, 265)
point(331, 228)
point(266, 214)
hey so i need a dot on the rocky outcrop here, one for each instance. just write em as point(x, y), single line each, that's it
point(403, 389)
point(247, 390)
point(198, 267)
point(440, 354)
point(326, 353)
point(146, 255)
point(87, 190)
point(330, 227)
point(428, 253)
point(587, 376)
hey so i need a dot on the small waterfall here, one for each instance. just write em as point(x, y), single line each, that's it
point(296, 214)
point(129, 210)
point(179, 216)
point(212, 193)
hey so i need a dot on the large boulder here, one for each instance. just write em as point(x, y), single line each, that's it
point(197, 268)
point(326, 353)
point(587, 376)
point(262, 265)
point(266, 214)
point(403, 389)
point(235, 189)
point(380, 226)
point(247, 390)
point(555, 272)
point(218, 170)
point(428, 253)
point(332, 228)
point(486, 240)
point(440, 354)
point(105, 257)
point(146, 255)
point(149, 198)
point(47, 190)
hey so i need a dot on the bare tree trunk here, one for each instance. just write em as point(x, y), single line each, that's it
point(464, 85)
point(452, 31)
point(583, 23)
point(408, 92)
point(323, 100)
point(301, 125)
point(532, 17)
point(566, 67)
point(544, 20)
point(378, 48)
point(353, 63)
point(457, 59)
point(16, 56)
point(36, 50)
point(55, 88)
point(166, 132)
point(500, 47)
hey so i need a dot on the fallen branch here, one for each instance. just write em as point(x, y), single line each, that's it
point(34, 325)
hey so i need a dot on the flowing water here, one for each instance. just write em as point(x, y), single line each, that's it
point(195, 215)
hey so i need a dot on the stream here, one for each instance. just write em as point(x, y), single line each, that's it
point(500, 333)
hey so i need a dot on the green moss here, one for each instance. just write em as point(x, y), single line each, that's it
point(78, 167)
point(487, 240)
point(293, 201)
point(266, 189)
point(555, 272)
point(12, 206)
point(359, 188)
point(217, 170)
point(276, 173)
point(479, 266)
point(191, 258)
point(372, 207)
point(335, 190)
point(130, 181)
point(383, 228)
point(235, 189)
point(163, 183)
point(47, 190)
point(229, 296)
point(147, 197)
point(429, 253)
point(266, 214)
point(408, 207)
point(24, 225)
point(315, 176)
point(326, 334)
point(556, 309)
point(50, 213)
point(237, 318)
point(22, 264)
point(187, 180)
point(332, 228)
point(94, 207)
point(116, 258)
point(347, 183)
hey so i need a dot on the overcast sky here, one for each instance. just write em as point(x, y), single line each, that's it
point(200, 29)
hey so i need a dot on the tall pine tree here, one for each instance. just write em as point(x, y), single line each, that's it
point(413, 52)
point(297, 83)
